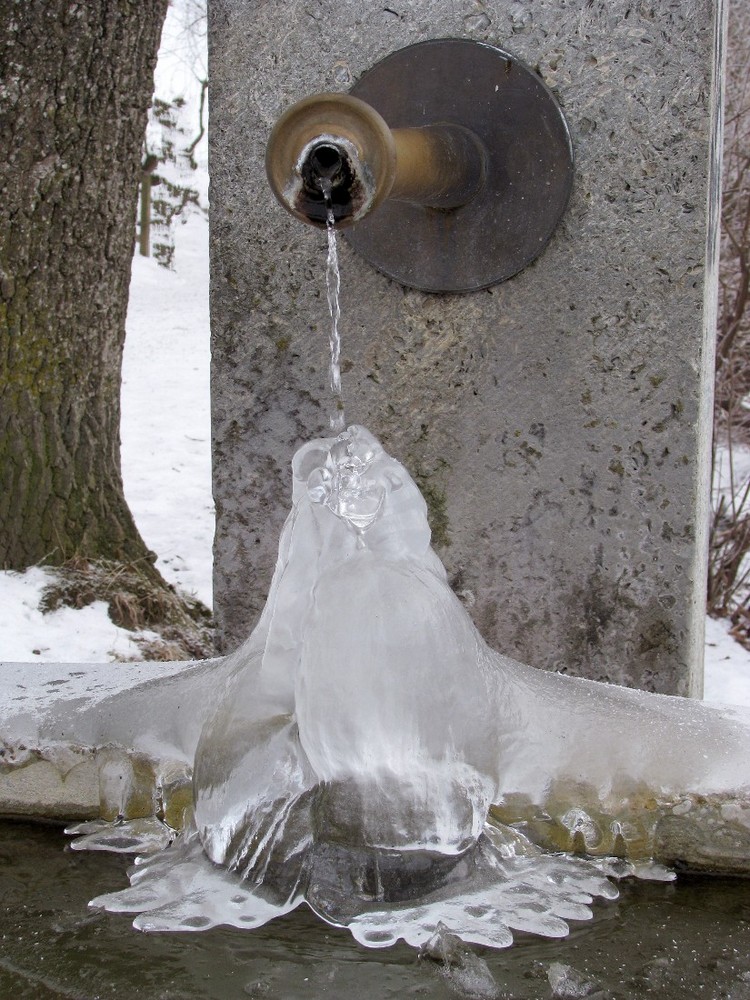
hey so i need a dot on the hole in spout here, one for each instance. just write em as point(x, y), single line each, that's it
point(326, 162)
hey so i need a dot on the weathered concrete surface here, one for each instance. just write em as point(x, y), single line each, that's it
point(554, 421)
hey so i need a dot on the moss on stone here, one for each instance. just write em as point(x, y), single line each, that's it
point(437, 510)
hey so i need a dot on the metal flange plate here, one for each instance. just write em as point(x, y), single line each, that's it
point(529, 166)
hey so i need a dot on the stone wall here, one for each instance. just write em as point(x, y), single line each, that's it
point(556, 423)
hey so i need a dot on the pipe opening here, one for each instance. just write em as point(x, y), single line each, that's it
point(327, 165)
point(326, 162)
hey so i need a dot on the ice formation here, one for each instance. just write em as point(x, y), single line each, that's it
point(365, 730)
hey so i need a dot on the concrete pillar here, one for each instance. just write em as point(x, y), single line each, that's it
point(558, 423)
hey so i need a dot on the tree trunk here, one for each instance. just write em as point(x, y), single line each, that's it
point(77, 84)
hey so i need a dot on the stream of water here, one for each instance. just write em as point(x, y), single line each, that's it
point(333, 287)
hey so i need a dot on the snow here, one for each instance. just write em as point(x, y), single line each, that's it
point(72, 635)
point(732, 472)
point(166, 426)
point(727, 666)
point(166, 436)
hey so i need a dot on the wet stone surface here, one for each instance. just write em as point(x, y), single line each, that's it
point(677, 942)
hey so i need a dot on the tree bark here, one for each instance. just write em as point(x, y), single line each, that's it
point(76, 87)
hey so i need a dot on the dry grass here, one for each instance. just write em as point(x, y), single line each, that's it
point(138, 599)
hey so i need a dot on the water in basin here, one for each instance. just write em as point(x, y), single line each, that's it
point(674, 941)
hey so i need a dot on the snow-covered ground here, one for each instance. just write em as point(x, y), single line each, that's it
point(166, 426)
point(166, 442)
point(727, 666)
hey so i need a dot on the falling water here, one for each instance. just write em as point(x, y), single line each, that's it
point(333, 285)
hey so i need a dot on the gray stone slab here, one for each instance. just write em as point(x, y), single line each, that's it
point(557, 422)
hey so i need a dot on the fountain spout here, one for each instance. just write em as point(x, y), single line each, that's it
point(338, 147)
point(448, 165)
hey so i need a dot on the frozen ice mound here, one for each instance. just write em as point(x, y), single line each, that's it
point(364, 679)
point(366, 729)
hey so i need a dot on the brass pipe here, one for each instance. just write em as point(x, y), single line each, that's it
point(339, 144)
point(440, 166)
